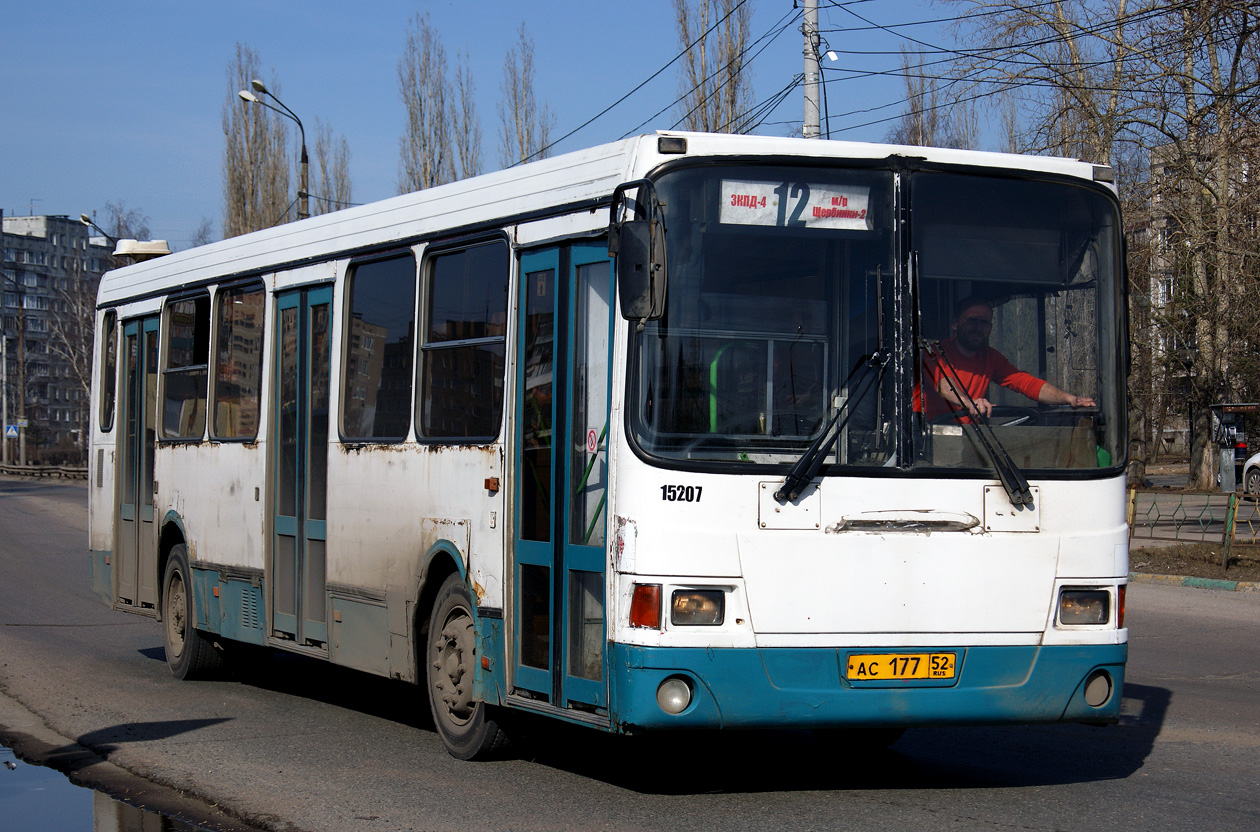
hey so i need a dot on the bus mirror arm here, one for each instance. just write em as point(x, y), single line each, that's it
point(639, 246)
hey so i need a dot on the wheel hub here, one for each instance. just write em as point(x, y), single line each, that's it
point(176, 615)
point(452, 661)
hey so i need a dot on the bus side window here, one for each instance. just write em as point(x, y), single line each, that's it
point(109, 369)
point(464, 343)
point(376, 396)
point(238, 362)
point(184, 379)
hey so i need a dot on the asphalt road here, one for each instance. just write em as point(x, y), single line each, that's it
point(299, 745)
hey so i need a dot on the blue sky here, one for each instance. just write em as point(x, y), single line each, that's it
point(123, 101)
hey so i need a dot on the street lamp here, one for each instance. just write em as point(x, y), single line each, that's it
point(832, 57)
point(249, 98)
point(86, 220)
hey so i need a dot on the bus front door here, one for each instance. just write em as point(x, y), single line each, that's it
point(298, 597)
point(561, 475)
point(136, 567)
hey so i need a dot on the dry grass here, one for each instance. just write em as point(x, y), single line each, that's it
point(1198, 560)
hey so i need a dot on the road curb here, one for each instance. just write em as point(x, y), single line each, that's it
point(1196, 583)
point(34, 742)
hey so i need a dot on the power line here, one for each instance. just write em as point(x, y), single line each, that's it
point(1135, 55)
point(888, 27)
point(775, 28)
point(1135, 17)
point(645, 82)
point(756, 115)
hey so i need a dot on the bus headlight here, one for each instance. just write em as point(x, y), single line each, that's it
point(698, 607)
point(1084, 606)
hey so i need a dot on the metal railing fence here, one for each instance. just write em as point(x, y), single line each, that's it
point(63, 471)
point(1194, 517)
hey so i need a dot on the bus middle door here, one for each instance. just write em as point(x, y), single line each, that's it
point(298, 573)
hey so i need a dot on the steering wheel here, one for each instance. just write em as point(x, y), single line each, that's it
point(803, 423)
point(1064, 415)
point(1003, 415)
point(1007, 415)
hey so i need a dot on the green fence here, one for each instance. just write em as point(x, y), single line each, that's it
point(1194, 517)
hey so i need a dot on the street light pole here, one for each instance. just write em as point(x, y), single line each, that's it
point(251, 98)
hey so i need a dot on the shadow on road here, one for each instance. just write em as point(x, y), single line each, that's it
point(680, 763)
point(106, 740)
point(319, 681)
point(90, 748)
point(925, 758)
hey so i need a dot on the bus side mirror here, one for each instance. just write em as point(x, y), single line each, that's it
point(639, 246)
point(641, 272)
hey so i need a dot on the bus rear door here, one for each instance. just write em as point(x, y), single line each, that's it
point(136, 547)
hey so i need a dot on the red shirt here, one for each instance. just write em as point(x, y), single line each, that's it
point(975, 375)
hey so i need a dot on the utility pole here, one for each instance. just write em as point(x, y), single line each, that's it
point(811, 128)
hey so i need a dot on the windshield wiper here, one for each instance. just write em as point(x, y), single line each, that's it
point(1012, 479)
point(810, 462)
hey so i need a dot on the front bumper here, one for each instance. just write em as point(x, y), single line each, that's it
point(805, 688)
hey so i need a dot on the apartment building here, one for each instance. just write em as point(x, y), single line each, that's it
point(51, 267)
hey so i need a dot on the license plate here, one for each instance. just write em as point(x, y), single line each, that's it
point(881, 667)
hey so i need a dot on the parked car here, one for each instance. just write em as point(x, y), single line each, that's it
point(1251, 475)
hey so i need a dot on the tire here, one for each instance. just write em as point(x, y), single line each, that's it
point(466, 726)
point(190, 654)
point(1251, 484)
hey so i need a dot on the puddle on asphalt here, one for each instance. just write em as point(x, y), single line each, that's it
point(38, 799)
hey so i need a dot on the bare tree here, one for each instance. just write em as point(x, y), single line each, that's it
point(1067, 63)
point(525, 134)
point(932, 117)
point(1199, 119)
point(70, 330)
point(332, 189)
point(467, 136)
point(1125, 81)
point(714, 83)
point(256, 158)
point(123, 223)
point(73, 311)
point(425, 146)
point(204, 233)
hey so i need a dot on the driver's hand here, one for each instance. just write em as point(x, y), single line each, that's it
point(982, 406)
point(1082, 401)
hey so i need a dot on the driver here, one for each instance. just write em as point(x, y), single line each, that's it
point(976, 365)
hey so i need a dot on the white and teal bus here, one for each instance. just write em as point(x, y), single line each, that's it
point(635, 437)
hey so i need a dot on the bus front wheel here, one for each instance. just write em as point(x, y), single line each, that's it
point(189, 653)
point(465, 724)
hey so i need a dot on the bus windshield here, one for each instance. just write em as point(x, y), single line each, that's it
point(790, 311)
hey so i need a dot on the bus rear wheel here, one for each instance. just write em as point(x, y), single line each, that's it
point(465, 724)
point(190, 654)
